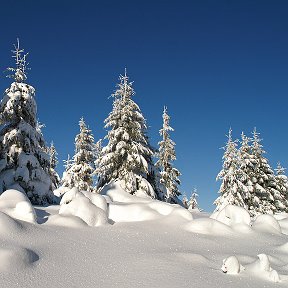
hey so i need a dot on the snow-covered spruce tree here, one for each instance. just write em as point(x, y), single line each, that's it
point(128, 155)
point(79, 171)
point(24, 161)
point(232, 190)
point(53, 163)
point(169, 175)
point(282, 187)
point(193, 203)
point(264, 195)
point(185, 201)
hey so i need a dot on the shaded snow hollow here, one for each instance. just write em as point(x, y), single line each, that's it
point(120, 240)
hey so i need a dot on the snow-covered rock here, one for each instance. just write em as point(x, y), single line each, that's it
point(17, 205)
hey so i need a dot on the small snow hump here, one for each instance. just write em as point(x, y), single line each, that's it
point(231, 265)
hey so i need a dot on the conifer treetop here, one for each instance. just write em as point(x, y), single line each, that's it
point(20, 72)
point(280, 170)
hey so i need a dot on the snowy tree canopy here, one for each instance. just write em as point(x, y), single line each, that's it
point(166, 155)
point(128, 155)
point(79, 171)
point(24, 161)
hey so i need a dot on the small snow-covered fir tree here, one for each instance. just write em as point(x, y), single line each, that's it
point(185, 201)
point(193, 203)
point(282, 187)
point(53, 163)
point(232, 190)
point(128, 154)
point(24, 161)
point(166, 155)
point(79, 170)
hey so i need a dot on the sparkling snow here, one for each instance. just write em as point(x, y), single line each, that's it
point(137, 242)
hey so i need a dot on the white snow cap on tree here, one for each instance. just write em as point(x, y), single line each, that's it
point(166, 155)
point(127, 155)
point(24, 161)
point(79, 171)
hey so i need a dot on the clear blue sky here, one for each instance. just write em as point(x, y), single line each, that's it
point(215, 64)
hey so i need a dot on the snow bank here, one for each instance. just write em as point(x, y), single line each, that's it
point(15, 258)
point(129, 208)
point(208, 226)
point(117, 194)
point(8, 225)
point(266, 223)
point(85, 206)
point(231, 215)
point(17, 205)
point(66, 221)
point(284, 225)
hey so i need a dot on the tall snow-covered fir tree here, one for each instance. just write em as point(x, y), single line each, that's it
point(232, 190)
point(53, 163)
point(24, 161)
point(166, 155)
point(79, 170)
point(264, 198)
point(282, 187)
point(128, 155)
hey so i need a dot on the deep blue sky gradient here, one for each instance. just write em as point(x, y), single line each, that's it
point(215, 64)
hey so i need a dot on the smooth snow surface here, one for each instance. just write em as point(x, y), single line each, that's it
point(139, 242)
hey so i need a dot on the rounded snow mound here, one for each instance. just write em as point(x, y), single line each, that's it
point(232, 266)
point(266, 223)
point(263, 269)
point(260, 268)
point(232, 215)
point(117, 194)
point(17, 205)
point(8, 225)
point(125, 207)
point(208, 226)
point(75, 203)
point(284, 225)
point(66, 221)
point(15, 258)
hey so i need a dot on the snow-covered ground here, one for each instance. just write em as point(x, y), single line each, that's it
point(136, 242)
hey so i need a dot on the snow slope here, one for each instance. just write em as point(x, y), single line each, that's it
point(145, 243)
